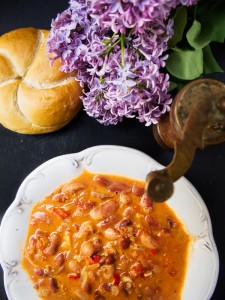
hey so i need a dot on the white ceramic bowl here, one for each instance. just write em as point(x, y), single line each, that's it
point(203, 264)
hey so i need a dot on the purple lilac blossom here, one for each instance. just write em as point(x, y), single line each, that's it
point(122, 14)
point(188, 2)
point(87, 38)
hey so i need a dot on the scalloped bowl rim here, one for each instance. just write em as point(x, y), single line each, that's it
point(203, 261)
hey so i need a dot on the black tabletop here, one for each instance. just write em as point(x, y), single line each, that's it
point(20, 154)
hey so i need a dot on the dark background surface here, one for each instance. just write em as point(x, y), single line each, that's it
point(20, 154)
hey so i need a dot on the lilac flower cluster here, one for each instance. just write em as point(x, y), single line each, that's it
point(117, 48)
point(120, 15)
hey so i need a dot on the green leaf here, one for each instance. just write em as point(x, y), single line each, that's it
point(180, 21)
point(211, 14)
point(173, 86)
point(180, 85)
point(194, 36)
point(185, 64)
point(210, 64)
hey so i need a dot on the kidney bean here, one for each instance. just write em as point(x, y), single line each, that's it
point(125, 199)
point(137, 191)
point(86, 287)
point(151, 221)
point(119, 187)
point(86, 205)
point(98, 296)
point(40, 272)
point(108, 221)
point(104, 210)
point(104, 287)
point(101, 180)
point(128, 212)
point(110, 259)
point(123, 223)
point(125, 242)
point(59, 259)
point(53, 285)
point(54, 244)
point(72, 188)
point(146, 203)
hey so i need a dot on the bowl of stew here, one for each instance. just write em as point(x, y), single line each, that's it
point(82, 227)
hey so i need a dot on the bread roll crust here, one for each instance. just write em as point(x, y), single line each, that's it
point(35, 96)
point(19, 47)
point(42, 107)
point(6, 70)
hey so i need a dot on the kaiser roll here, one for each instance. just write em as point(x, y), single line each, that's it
point(35, 97)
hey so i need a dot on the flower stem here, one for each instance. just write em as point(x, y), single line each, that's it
point(122, 50)
point(110, 48)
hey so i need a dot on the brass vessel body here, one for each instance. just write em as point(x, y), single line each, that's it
point(170, 127)
point(196, 119)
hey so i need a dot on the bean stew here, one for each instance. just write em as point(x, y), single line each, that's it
point(100, 237)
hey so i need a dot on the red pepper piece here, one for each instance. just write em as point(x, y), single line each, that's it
point(60, 212)
point(95, 258)
point(153, 252)
point(74, 276)
point(137, 270)
point(116, 279)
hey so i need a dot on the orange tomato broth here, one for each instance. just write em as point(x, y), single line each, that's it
point(131, 248)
